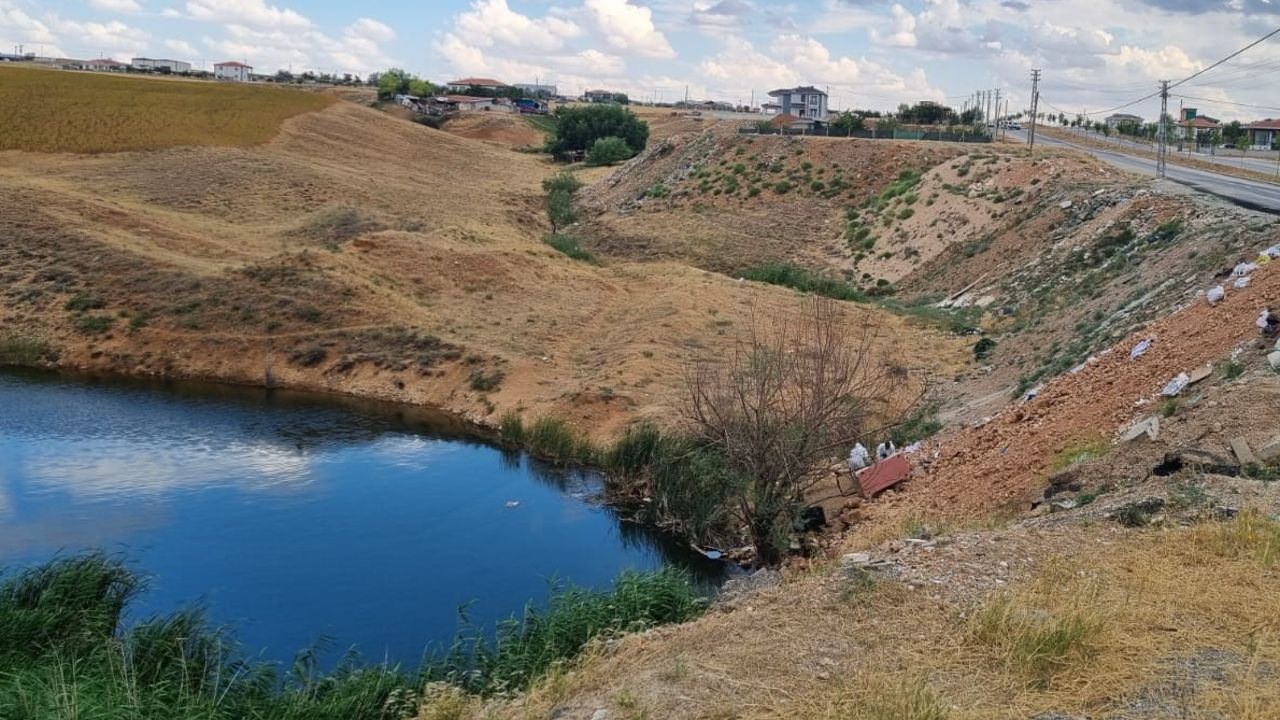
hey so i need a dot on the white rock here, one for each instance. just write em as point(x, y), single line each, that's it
point(1274, 360)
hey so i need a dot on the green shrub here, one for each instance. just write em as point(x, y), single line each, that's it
point(906, 213)
point(781, 187)
point(608, 151)
point(81, 302)
point(20, 349)
point(921, 424)
point(657, 190)
point(578, 128)
point(560, 190)
point(983, 348)
point(511, 429)
point(93, 324)
point(523, 650)
point(485, 380)
point(794, 276)
point(817, 186)
point(553, 440)
point(569, 246)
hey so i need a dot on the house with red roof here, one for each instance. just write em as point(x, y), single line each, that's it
point(1196, 127)
point(1263, 134)
point(232, 70)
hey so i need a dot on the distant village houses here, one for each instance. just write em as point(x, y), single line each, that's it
point(170, 66)
point(1263, 134)
point(103, 65)
point(1120, 119)
point(232, 70)
point(465, 84)
point(537, 90)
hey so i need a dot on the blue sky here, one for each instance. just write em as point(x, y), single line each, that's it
point(1096, 54)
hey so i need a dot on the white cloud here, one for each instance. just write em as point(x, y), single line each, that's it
point(491, 23)
point(110, 39)
point(629, 28)
point(121, 6)
point(181, 47)
point(17, 27)
point(357, 51)
point(370, 29)
point(250, 13)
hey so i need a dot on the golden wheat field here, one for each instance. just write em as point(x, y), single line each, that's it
point(52, 111)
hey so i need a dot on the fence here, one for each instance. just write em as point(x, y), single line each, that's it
point(937, 135)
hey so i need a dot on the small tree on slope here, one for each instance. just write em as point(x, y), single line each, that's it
point(795, 392)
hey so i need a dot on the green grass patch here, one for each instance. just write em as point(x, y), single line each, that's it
point(798, 278)
point(1079, 451)
point(569, 246)
point(24, 350)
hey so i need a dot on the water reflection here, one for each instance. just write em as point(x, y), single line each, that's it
point(296, 517)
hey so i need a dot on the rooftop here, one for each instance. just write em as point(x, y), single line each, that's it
point(478, 82)
point(232, 63)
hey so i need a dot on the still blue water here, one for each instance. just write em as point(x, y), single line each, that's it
point(294, 518)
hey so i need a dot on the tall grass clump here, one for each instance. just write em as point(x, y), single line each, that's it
point(675, 483)
point(525, 649)
point(1038, 642)
point(569, 246)
point(21, 349)
point(798, 278)
point(43, 111)
point(65, 653)
point(560, 190)
point(901, 700)
point(554, 440)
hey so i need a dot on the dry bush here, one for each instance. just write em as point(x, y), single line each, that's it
point(797, 390)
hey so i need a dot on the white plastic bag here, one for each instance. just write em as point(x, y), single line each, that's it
point(1176, 385)
point(1140, 349)
point(1242, 282)
point(1215, 294)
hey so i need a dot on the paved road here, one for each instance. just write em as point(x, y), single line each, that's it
point(1246, 193)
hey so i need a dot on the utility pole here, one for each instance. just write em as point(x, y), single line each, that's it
point(1035, 107)
point(1163, 150)
point(995, 118)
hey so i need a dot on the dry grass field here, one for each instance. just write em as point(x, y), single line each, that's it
point(360, 253)
point(52, 111)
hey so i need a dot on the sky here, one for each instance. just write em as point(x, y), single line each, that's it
point(1096, 55)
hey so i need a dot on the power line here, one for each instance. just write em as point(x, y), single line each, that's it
point(1227, 102)
point(1198, 73)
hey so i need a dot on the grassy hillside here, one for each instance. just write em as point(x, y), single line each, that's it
point(50, 111)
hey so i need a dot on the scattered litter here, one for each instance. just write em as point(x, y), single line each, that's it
point(913, 448)
point(1272, 252)
point(1199, 374)
point(1215, 294)
point(1148, 426)
point(1032, 393)
point(1241, 282)
point(1140, 349)
point(1176, 385)
point(1268, 323)
point(1273, 359)
point(1243, 269)
point(513, 503)
point(709, 553)
point(1065, 204)
point(883, 475)
point(1242, 451)
point(858, 458)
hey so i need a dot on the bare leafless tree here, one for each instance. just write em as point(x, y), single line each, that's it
point(797, 390)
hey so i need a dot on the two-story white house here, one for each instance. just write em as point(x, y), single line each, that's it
point(805, 102)
point(232, 70)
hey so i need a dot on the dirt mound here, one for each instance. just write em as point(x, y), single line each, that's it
point(727, 202)
point(506, 129)
point(1006, 461)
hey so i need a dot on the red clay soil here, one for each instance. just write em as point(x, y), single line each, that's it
point(1005, 463)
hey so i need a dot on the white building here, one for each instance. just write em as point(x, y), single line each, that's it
point(806, 102)
point(232, 70)
point(103, 65)
point(173, 66)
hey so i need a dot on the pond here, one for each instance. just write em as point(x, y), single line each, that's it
point(296, 518)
